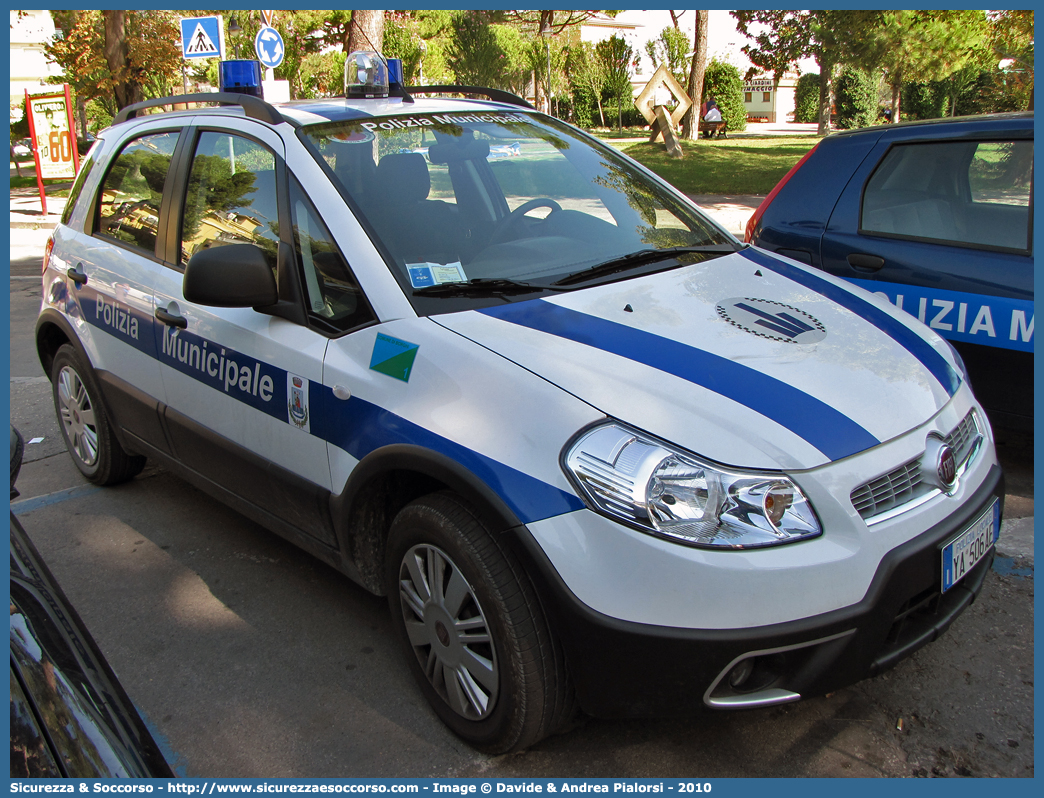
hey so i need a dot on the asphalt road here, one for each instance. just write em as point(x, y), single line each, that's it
point(249, 658)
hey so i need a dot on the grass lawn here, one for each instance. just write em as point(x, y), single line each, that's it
point(609, 133)
point(748, 165)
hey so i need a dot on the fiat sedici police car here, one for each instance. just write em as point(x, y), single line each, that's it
point(599, 455)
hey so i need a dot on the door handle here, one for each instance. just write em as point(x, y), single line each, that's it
point(171, 319)
point(77, 275)
point(865, 263)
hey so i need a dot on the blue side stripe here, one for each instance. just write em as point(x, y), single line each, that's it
point(359, 427)
point(830, 431)
point(356, 426)
point(913, 343)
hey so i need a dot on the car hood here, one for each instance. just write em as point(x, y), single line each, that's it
point(750, 359)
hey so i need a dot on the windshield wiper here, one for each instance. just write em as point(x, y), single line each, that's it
point(479, 286)
point(640, 258)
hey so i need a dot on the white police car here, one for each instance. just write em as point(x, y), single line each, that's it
point(596, 452)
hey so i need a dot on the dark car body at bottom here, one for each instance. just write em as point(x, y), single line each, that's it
point(937, 217)
point(70, 717)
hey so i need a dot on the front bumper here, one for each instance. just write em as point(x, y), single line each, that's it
point(626, 669)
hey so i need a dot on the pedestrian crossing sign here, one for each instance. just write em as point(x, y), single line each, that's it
point(202, 37)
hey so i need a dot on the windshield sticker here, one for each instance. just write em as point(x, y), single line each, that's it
point(353, 136)
point(393, 357)
point(425, 274)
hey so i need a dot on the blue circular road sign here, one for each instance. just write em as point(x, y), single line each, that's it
point(268, 45)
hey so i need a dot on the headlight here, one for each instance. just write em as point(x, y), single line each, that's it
point(647, 484)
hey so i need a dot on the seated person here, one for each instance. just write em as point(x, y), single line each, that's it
point(712, 114)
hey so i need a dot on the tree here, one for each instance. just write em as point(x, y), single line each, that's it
point(1011, 38)
point(366, 31)
point(547, 58)
point(792, 35)
point(615, 55)
point(586, 79)
point(856, 99)
point(322, 75)
point(724, 84)
point(335, 30)
point(806, 98)
point(549, 25)
point(697, 71)
point(481, 54)
point(546, 22)
point(923, 45)
point(669, 49)
point(301, 35)
point(402, 40)
point(117, 57)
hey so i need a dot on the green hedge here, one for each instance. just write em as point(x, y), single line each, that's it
point(723, 83)
point(806, 98)
point(856, 99)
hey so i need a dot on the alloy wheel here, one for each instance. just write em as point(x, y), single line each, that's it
point(448, 632)
point(77, 416)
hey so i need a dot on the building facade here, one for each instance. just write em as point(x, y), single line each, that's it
point(30, 69)
point(769, 100)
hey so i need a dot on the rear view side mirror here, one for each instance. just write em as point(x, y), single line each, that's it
point(230, 276)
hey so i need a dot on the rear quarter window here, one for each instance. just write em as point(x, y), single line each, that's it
point(77, 188)
point(964, 193)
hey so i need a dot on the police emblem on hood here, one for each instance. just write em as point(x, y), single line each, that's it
point(773, 320)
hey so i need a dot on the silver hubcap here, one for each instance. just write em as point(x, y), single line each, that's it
point(77, 415)
point(448, 632)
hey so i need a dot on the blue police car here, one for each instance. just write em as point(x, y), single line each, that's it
point(935, 216)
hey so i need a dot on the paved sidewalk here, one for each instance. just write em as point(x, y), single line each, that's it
point(730, 211)
point(26, 210)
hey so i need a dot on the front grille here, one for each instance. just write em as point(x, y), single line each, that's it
point(904, 484)
point(964, 436)
point(897, 487)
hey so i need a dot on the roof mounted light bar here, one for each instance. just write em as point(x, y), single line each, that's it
point(253, 107)
point(497, 95)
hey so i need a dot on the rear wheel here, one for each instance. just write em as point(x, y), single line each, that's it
point(85, 427)
point(473, 629)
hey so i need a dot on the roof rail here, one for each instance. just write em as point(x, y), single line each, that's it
point(497, 95)
point(254, 107)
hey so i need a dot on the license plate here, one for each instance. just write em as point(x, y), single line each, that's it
point(962, 553)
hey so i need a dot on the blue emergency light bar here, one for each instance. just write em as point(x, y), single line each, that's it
point(241, 77)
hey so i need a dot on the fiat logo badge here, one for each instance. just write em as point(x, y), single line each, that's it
point(947, 466)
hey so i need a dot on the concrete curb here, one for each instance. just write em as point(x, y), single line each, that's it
point(33, 225)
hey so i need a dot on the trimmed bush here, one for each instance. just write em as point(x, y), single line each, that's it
point(856, 99)
point(723, 82)
point(806, 98)
point(925, 100)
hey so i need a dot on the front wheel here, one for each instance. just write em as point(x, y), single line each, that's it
point(473, 629)
point(88, 436)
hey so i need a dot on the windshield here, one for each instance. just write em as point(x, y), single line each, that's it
point(467, 205)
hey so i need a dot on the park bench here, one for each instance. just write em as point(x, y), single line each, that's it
point(710, 129)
